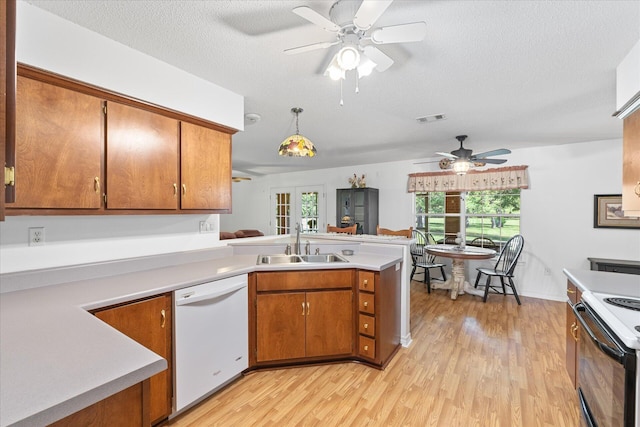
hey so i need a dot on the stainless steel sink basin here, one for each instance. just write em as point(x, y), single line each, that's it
point(279, 259)
point(293, 259)
point(323, 258)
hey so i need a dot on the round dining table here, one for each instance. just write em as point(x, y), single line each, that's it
point(457, 282)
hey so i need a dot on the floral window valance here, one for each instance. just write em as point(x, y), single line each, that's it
point(475, 180)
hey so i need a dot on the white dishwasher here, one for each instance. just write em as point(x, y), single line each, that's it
point(211, 337)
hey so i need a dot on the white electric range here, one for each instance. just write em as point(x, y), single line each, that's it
point(615, 299)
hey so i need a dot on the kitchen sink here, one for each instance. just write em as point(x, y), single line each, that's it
point(293, 259)
point(279, 259)
point(323, 258)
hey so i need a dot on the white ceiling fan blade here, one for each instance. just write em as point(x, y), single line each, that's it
point(403, 33)
point(376, 55)
point(497, 152)
point(492, 161)
point(369, 12)
point(448, 155)
point(309, 47)
point(315, 18)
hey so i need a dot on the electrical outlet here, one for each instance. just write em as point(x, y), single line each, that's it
point(206, 227)
point(36, 236)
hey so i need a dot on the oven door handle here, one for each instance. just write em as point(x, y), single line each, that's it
point(613, 353)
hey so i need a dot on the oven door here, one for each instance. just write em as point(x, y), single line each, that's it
point(606, 373)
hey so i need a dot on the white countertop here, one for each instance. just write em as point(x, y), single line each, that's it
point(56, 358)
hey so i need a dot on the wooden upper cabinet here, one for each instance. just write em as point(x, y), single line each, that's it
point(59, 145)
point(142, 159)
point(205, 168)
point(631, 164)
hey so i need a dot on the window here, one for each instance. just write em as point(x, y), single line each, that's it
point(490, 217)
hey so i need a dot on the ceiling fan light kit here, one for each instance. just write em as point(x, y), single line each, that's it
point(350, 21)
point(297, 145)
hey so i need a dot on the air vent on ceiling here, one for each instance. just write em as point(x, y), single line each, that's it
point(432, 118)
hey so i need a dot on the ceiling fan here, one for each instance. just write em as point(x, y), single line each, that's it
point(466, 154)
point(462, 159)
point(352, 23)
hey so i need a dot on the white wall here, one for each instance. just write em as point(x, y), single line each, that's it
point(49, 42)
point(556, 212)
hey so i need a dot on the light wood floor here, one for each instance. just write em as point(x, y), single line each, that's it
point(470, 364)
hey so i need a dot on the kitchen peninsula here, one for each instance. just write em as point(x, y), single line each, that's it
point(56, 358)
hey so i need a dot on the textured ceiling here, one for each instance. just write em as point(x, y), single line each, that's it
point(507, 73)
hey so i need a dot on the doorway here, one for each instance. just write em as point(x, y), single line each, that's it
point(305, 205)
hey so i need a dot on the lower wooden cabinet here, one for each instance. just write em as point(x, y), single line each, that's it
point(310, 323)
point(378, 315)
point(312, 316)
point(124, 409)
point(572, 333)
point(149, 323)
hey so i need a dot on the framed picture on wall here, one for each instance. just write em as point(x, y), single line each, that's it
point(607, 213)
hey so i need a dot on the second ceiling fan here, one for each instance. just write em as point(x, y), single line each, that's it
point(352, 23)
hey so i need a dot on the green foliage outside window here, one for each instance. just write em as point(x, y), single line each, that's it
point(489, 214)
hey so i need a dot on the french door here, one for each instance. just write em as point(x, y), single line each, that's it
point(303, 205)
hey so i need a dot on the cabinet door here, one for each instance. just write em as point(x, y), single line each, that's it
point(631, 164)
point(205, 173)
point(330, 329)
point(142, 159)
point(280, 326)
point(59, 145)
point(149, 323)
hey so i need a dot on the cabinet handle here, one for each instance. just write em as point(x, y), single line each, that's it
point(96, 184)
point(163, 318)
point(366, 348)
point(303, 309)
point(571, 291)
point(307, 309)
point(366, 304)
point(175, 189)
point(365, 282)
point(184, 189)
point(574, 331)
point(366, 326)
point(637, 189)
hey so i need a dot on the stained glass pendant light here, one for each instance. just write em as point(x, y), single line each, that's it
point(297, 145)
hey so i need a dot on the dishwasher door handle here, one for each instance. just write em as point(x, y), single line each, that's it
point(191, 297)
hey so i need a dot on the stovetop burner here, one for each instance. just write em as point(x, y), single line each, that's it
point(630, 303)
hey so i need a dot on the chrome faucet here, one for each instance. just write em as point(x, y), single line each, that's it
point(296, 249)
point(307, 248)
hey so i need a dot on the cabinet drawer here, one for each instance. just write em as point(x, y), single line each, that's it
point(366, 281)
point(366, 303)
point(367, 347)
point(366, 324)
point(303, 280)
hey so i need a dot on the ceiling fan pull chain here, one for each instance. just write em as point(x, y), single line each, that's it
point(341, 100)
point(357, 80)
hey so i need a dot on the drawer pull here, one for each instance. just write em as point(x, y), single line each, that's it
point(163, 318)
point(366, 326)
point(366, 348)
point(366, 304)
point(365, 282)
point(571, 291)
